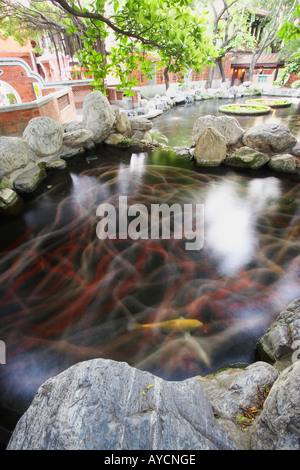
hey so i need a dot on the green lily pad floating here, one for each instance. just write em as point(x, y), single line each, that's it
point(272, 103)
point(244, 109)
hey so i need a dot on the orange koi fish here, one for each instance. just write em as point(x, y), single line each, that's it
point(178, 324)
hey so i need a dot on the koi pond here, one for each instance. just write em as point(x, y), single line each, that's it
point(67, 296)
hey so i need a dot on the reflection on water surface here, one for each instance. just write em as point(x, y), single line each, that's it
point(66, 296)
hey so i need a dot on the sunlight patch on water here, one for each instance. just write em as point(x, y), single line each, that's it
point(231, 217)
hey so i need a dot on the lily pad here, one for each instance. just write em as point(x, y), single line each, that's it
point(272, 103)
point(244, 109)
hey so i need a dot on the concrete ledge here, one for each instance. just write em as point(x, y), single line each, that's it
point(69, 83)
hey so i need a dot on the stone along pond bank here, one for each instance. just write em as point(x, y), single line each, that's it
point(103, 404)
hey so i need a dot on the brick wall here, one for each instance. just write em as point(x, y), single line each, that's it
point(26, 56)
point(16, 76)
point(293, 78)
point(59, 106)
point(79, 93)
point(80, 89)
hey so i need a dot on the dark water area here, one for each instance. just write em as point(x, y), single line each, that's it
point(67, 296)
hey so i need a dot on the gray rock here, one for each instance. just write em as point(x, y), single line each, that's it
point(147, 137)
point(114, 139)
point(85, 136)
point(77, 138)
point(228, 126)
point(29, 180)
point(90, 145)
point(106, 405)
point(140, 124)
point(44, 135)
point(282, 339)
point(246, 157)
point(72, 126)
point(8, 197)
point(123, 125)
point(274, 137)
point(210, 149)
point(230, 388)
point(241, 437)
point(181, 151)
point(98, 116)
point(67, 152)
point(14, 154)
point(138, 135)
point(296, 150)
point(57, 165)
point(116, 110)
point(285, 163)
point(275, 428)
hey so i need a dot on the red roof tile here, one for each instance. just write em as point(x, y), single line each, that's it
point(265, 59)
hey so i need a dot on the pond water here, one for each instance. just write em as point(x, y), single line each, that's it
point(67, 296)
point(177, 124)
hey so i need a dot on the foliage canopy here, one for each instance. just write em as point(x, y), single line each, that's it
point(137, 28)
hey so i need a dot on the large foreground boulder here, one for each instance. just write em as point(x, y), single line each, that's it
point(278, 426)
point(281, 341)
point(228, 126)
point(230, 388)
point(108, 405)
point(269, 137)
point(98, 116)
point(44, 135)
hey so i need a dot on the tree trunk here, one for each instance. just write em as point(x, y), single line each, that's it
point(167, 78)
point(208, 83)
point(220, 64)
point(57, 55)
point(100, 47)
point(254, 59)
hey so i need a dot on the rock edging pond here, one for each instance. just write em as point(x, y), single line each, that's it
point(109, 405)
point(46, 145)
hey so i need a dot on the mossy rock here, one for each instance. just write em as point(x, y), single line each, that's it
point(29, 180)
point(272, 103)
point(246, 157)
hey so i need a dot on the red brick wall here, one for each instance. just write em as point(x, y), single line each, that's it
point(26, 56)
point(14, 122)
point(80, 92)
point(293, 78)
point(16, 76)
